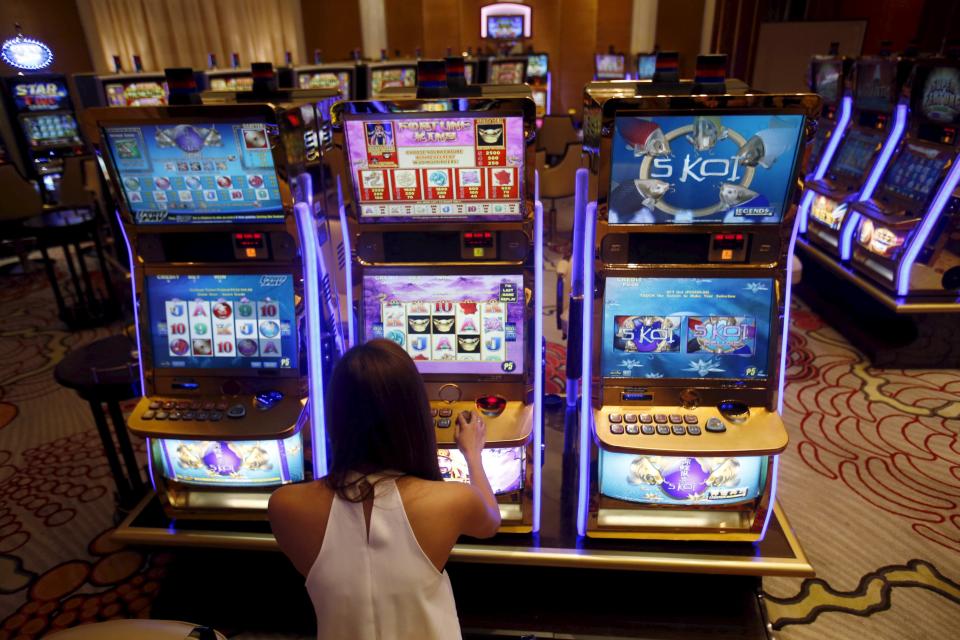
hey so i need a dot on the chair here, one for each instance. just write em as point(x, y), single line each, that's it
point(20, 201)
point(557, 182)
point(555, 134)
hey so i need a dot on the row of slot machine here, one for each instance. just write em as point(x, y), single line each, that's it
point(880, 195)
point(254, 268)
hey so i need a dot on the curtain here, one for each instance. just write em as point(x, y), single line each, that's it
point(180, 33)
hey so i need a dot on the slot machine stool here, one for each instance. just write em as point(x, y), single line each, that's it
point(105, 372)
point(140, 629)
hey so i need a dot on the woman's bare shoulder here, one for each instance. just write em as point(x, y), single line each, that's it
point(303, 497)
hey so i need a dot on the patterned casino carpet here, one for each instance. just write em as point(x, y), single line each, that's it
point(871, 483)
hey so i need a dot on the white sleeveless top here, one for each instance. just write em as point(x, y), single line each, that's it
point(379, 588)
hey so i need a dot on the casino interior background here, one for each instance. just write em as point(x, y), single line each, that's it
point(869, 475)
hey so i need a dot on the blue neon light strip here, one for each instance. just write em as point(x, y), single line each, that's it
point(580, 194)
point(537, 361)
point(838, 132)
point(804, 213)
point(549, 93)
point(788, 290)
point(586, 407)
point(768, 516)
point(311, 286)
point(926, 226)
point(846, 235)
point(348, 262)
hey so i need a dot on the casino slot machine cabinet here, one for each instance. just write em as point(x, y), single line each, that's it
point(610, 66)
point(827, 77)
point(904, 236)
point(446, 265)
point(538, 77)
point(389, 74)
point(511, 70)
point(44, 125)
point(877, 123)
point(340, 76)
point(215, 203)
point(684, 335)
point(235, 78)
point(137, 89)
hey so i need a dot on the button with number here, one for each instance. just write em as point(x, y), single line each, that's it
point(693, 430)
point(168, 405)
point(615, 418)
point(676, 418)
point(200, 416)
point(678, 430)
point(689, 418)
point(660, 417)
point(173, 415)
point(195, 405)
point(633, 429)
point(216, 416)
point(148, 415)
point(155, 405)
point(616, 428)
point(443, 423)
point(630, 418)
point(663, 429)
point(646, 418)
point(189, 415)
point(446, 413)
point(161, 415)
point(433, 413)
point(648, 430)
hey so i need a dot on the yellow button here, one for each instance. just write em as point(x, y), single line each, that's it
point(477, 252)
point(726, 254)
point(251, 252)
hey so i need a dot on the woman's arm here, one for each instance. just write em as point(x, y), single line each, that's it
point(482, 515)
point(298, 516)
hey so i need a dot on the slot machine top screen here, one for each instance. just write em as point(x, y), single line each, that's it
point(49, 94)
point(339, 80)
point(392, 77)
point(876, 88)
point(505, 27)
point(703, 169)
point(231, 83)
point(537, 65)
point(646, 66)
point(939, 100)
point(828, 80)
point(610, 66)
point(196, 173)
point(507, 72)
point(686, 328)
point(235, 321)
point(445, 167)
point(136, 94)
point(452, 323)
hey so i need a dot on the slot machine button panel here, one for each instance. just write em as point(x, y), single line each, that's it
point(616, 429)
point(648, 430)
point(221, 406)
point(678, 430)
point(615, 418)
point(630, 418)
point(183, 405)
point(633, 429)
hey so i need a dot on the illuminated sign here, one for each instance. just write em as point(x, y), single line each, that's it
point(26, 53)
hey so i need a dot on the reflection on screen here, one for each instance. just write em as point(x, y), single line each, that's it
point(686, 327)
point(196, 173)
point(452, 324)
point(136, 94)
point(235, 463)
point(444, 167)
point(691, 169)
point(504, 467)
point(856, 153)
point(610, 66)
point(238, 321)
point(667, 480)
point(915, 173)
point(51, 130)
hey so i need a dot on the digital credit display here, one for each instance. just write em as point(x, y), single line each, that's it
point(51, 129)
point(669, 480)
point(915, 173)
point(610, 66)
point(510, 72)
point(391, 77)
point(442, 167)
point(856, 153)
point(731, 169)
point(213, 172)
point(135, 94)
point(237, 321)
point(684, 328)
point(339, 80)
point(40, 95)
point(234, 463)
point(504, 467)
point(450, 324)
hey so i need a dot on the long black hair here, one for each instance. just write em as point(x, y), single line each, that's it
point(378, 418)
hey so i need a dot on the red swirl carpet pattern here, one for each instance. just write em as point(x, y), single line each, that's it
point(870, 482)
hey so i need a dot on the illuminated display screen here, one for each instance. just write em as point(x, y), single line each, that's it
point(731, 169)
point(40, 95)
point(940, 100)
point(450, 324)
point(381, 79)
point(878, 239)
point(646, 67)
point(235, 463)
point(231, 83)
point(668, 480)
point(237, 321)
point(443, 167)
point(827, 80)
point(686, 328)
point(504, 467)
point(198, 173)
point(876, 86)
point(507, 72)
point(610, 66)
point(828, 212)
point(339, 80)
point(468, 73)
point(537, 65)
point(914, 173)
point(505, 27)
point(136, 94)
point(51, 129)
point(856, 153)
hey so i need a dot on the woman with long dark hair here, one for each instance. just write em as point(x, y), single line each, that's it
point(373, 536)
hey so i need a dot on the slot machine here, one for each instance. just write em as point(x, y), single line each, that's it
point(827, 77)
point(904, 237)
point(610, 66)
point(389, 74)
point(877, 123)
point(511, 70)
point(235, 78)
point(538, 77)
point(341, 76)
point(448, 264)
point(43, 126)
point(646, 66)
point(219, 204)
point(687, 252)
point(141, 89)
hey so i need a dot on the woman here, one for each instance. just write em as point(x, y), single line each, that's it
point(373, 536)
